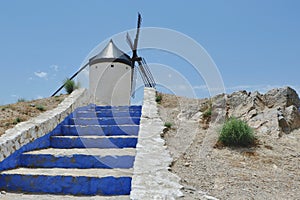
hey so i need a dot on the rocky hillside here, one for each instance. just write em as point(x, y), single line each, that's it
point(275, 113)
point(12, 114)
point(269, 170)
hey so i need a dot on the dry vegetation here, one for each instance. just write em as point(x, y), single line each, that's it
point(269, 170)
point(12, 114)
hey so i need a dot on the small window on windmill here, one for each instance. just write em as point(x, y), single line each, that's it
point(111, 65)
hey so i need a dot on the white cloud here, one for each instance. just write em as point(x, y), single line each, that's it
point(200, 87)
point(55, 67)
point(41, 74)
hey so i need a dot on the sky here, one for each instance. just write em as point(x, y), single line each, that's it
point(254, 44)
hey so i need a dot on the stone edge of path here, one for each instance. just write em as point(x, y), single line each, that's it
point(151, 176)
point(26, 132)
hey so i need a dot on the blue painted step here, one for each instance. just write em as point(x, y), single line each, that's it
point(78, 158)
point(99, 130)
point(90, 153)
point(106, 113)
point(67, 181)
point(93, 142)
point(116, 108)
point(105, 121)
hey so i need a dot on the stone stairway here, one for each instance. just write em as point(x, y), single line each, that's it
point(91, 153)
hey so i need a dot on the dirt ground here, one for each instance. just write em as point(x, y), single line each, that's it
point(271, 170)
point(12, 114)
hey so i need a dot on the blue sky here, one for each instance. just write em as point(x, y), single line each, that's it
point(255, 44)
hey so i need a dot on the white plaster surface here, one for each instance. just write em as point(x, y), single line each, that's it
point(84, 151)
point(110, 85)
point(28, 131)
point(151, 178)
point(74, 172)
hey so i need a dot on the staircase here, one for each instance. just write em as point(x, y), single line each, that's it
point(92, 153)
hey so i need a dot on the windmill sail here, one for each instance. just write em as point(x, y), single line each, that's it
point(149, 74)
point(142, 66)
point(133, 82)
point(146, 74)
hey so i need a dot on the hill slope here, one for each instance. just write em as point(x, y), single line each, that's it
point(12, 114)
point(270, 170)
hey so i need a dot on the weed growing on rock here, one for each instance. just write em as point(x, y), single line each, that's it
point(168, 124)
point(40, 108)
point(158, 98)
point(21, 100)
point(236, 132)
point(17, 120)
point(70, 86)
point(207, 113)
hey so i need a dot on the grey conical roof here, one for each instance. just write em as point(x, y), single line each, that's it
point(111, 53)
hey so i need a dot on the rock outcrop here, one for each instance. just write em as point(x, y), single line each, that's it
point(277, 111)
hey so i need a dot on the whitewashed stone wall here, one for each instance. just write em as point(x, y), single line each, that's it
point(28, 131)
point(151, 178)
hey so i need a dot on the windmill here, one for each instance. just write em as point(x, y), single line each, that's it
point(142, 66)
point(112, 73)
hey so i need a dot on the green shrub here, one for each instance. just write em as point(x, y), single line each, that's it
point(207, 113)
point(17, 120)
point(70, 86)
point(168, 124)
point(158, 98)
point(236, 132)
point(21, 100)
point(40, 108)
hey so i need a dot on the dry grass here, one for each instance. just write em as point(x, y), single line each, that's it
point(12, 114)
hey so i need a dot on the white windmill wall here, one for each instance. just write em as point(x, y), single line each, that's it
point(110, 83)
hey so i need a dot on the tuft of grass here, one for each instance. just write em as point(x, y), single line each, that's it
point(40, 108)
point(168, 124)
point(207, 113)
point(21, 100)
point(70, 86)
point(158, 98)
point(17, 120)
point(236, 132)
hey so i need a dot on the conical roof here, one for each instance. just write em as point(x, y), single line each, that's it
point(111, 53)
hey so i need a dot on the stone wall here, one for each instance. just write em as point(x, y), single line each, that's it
point(26, 132)
point(151, 177)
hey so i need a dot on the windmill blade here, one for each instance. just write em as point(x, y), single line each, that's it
point(149, 74)
point(144, 74)
point(129, 41)
point(133, 81)
point(137, 32)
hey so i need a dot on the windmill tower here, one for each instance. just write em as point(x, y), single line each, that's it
point(112, 74)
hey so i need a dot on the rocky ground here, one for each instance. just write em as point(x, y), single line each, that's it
point(12, 114)
point(269, 170)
